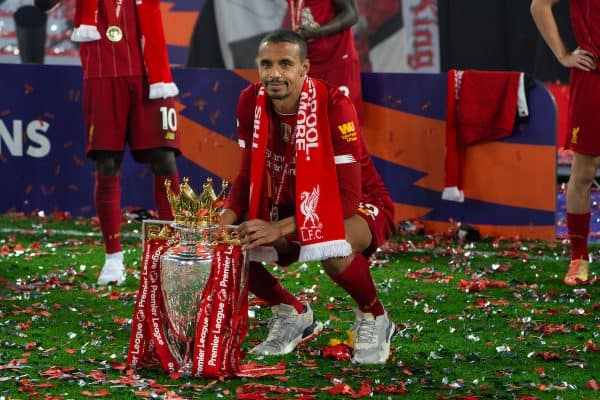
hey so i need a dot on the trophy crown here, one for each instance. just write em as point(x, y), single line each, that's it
point(196, 210)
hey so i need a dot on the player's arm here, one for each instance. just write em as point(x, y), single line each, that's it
point(46, 5)
point(541, 11)
point(346, 140)
point(237, 201)
point(346, 16)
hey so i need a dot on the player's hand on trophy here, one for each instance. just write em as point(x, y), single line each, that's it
point(257, 232)
point(227, 217)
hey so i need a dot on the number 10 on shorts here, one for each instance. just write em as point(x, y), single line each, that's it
point(169, 118)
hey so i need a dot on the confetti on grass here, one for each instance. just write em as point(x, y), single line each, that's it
point(485, 320)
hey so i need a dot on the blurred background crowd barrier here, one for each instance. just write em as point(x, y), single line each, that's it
point(40, 131)
point(510, 185)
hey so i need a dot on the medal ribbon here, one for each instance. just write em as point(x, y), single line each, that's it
point(114, 12)
point(296, 7)
point(278, 189)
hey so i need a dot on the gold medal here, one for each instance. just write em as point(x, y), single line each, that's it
point(114, 33)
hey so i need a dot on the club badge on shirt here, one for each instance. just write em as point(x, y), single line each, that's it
point(286, 132)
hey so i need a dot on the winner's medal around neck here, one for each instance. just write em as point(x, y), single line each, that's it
point(114, 33)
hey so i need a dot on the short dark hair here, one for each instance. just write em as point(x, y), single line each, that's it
point(286, 36)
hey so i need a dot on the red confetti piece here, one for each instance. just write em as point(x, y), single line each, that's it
point(254, 370)
point(472, 286)
point(98, 393)
point(118, 366)
point(548, 329)
point(97, 375)
point(58, 373)
point(398, 388)
point(364, 391)
point(14, 364)
point(340, 388)
point(541, 371)
point(548, 355)
point(30, 346)
point(340, 351)
point(591, 346)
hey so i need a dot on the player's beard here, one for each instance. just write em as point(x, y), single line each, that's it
point(283, 90)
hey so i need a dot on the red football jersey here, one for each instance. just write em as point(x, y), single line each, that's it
point(584, 102)
point(585, 20)
point(326, 50)
point(105, 59)
point(357, 177)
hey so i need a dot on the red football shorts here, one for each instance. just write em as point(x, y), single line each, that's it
point(380, 217)
point(346, 77)
point(583, 135)
point(117, 111)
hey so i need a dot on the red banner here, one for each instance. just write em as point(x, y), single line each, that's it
point(148, 344)
point(222, 317)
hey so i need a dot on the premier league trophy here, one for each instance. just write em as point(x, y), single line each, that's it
point(186, 267)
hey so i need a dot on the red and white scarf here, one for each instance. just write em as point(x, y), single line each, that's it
point(153, 41)
point(319, 220)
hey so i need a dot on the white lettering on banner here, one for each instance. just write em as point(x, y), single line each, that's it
point(422, 35)
point(203, 335)
point(139, 328)
point(256, 127)
point(143, 297)
point(214, 351)
point(226, 268)
point(154, 310)
point(222, 298)
point(311, 234)
point(219, 319)
point(307, 135)
point(214, 348)
point(156, 257)
point(38, 145)
point(156, 331)
point(139, 334)
point(257, 114)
